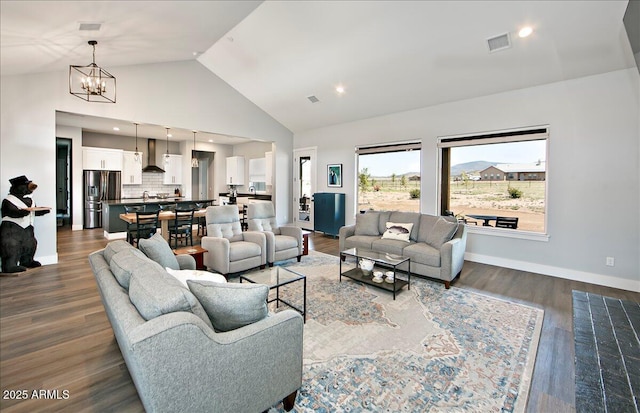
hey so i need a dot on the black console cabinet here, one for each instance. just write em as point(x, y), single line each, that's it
point(328, 210)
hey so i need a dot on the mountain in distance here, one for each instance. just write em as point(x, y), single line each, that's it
point(398, 175)
point(468, 167)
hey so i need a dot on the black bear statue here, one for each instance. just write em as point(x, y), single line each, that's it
point(17, 240)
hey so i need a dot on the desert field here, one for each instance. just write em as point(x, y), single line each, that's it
point(468, 198)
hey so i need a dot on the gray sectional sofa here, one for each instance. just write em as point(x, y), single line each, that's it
point(436, 245)
point(178, 361)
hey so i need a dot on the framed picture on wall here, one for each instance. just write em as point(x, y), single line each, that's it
point(334, 175)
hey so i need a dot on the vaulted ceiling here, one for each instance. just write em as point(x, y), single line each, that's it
point(389, 56)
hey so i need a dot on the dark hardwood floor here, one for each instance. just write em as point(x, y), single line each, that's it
point(54, 334)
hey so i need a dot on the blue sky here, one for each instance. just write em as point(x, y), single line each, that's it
point(515, 152)
point(385, 164)
point(400, 163)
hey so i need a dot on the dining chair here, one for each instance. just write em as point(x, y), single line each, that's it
point(146, 224)
point(507, 222)
point(131, 226)
point(181, 227)
point(202, 221)
point(243, 218)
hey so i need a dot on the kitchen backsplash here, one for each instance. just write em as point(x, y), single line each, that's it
point(151, 182)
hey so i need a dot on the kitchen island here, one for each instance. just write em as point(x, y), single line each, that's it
point(114, 227)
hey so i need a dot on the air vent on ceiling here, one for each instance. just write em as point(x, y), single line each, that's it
point(90, 26)
point(313, 99)
point(498, 43)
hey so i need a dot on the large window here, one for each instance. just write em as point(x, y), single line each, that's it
point(497, 180)
point(389, 177)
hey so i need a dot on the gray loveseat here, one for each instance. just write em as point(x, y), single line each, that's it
point(436, 245)
point(176, 359)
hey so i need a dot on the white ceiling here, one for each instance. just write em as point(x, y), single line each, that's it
point(390, 56)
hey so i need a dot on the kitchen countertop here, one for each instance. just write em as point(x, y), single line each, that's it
point(170, 200)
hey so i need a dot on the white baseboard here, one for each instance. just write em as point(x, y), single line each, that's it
point(566, 273)
point(77, 227)
point(115, 235)
point(47, 259)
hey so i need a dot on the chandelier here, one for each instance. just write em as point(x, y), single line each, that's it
point(194, 160)
point(91, 82)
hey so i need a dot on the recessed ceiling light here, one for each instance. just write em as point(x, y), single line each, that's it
point(210, 140)
point(116, 128)
point(525, 31)
point(340, 89)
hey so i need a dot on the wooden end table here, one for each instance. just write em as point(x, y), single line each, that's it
point(197, 252)
point(305, 242)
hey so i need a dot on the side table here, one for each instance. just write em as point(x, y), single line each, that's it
point(305, 242)
point(197, 252)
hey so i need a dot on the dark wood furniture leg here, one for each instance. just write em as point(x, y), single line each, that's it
point(290, 401)
point(198, 256)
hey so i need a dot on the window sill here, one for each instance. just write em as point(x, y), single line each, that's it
point(507, 233)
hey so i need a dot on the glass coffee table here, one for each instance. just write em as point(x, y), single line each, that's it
point(276, 277)
point(380, 258)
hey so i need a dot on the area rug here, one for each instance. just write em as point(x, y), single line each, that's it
point(607, 353)
point(430, 350)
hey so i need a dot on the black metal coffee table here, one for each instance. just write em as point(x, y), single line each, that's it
point(275, 277)
point(381, 258)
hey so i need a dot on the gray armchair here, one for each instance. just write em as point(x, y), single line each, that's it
point(229, 249)
point(283, 242)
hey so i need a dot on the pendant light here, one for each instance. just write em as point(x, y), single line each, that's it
point(136, 155)
point(166, 155)
point(194, 160)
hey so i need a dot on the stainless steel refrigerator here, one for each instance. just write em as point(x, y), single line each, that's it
point(98, 186)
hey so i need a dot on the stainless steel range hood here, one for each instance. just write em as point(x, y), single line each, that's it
point(151, 158)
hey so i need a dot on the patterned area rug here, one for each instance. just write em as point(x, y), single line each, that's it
point(431, 349)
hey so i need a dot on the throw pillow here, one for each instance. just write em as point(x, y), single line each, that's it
point(184, 275)
point(154, 292)
point(441, 232)
point(124, 262)
point(399, 231)
point(367, 224)
point(159, 251)
point(115, 247)
point(231, 305)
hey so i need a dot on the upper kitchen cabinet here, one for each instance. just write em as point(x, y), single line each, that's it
point(131, 170)
point(102, 159)
point(235, 170)
point(173, 170)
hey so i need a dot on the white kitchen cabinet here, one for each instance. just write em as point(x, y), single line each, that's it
point(102, 159)
point(235, 170)
point(172, 170)
point(268, 168)
point(131, 169)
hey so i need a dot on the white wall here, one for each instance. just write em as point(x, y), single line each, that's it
point(180, 94)
point(593, 166)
